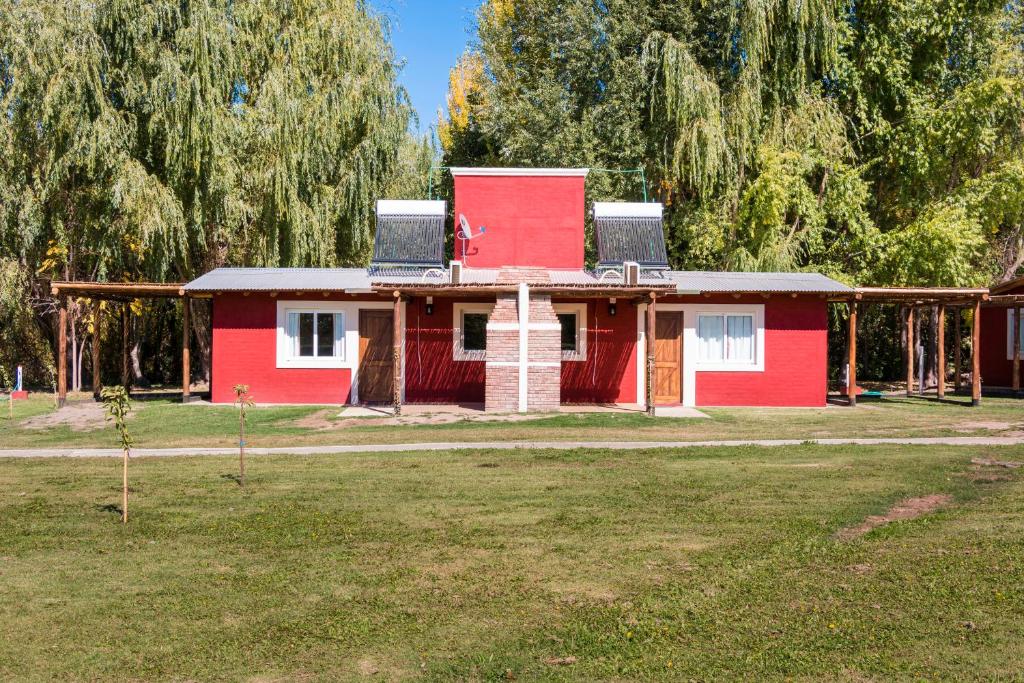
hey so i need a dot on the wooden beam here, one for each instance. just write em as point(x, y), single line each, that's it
point(976, 355)
point(97, 324)
point(909, 326)
point(396, 355)
point(940, 354)
point(98, 290)
point(186, 360)
point(1015, 335)
point(62, 353)
point(958, 337)
point(851, 346)
point(649, 386)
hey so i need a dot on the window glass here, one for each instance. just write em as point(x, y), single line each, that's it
point(710, 335)
point(324, 334)
point(306, 334)
point(568, 323)
point(474, 331)
point(740, 342)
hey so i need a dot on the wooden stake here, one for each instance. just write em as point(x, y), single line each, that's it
point(976, 355)
point(649, 387)
point(940, 354)
point(186, 360)
point(241, 444)
point(62, 354)
point(909, 322)
point(958, 336)
point(396, 355)
point(124, 488)
point(851, 346)
point(1015, 335)
point(97, 321)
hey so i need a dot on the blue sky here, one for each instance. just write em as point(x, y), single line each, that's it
point(429, 35)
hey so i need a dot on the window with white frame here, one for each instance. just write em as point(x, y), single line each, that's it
point(727, 339)
point(1009, 334)
point(572, 319)
point(311, 335)
point(469, 331)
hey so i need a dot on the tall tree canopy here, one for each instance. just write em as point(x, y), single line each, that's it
point(877, 141)
point(156, 139)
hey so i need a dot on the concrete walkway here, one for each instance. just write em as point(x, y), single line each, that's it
point(509, 446)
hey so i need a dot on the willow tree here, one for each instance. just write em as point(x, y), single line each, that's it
point(159, 139)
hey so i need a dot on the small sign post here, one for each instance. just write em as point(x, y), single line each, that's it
point(19, 392)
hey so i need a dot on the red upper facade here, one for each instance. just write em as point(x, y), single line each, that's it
point(531, 217)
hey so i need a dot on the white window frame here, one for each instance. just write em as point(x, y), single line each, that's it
point(580, 311)
point(755, 364)
point(1009, 335)
point(287, 358)
point(459, 352)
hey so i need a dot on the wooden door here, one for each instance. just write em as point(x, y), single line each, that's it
point(376, 333)
point(668, 358)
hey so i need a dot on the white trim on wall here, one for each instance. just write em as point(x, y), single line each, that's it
point(458, 309)
point(580, 311)
point(544, 172)
point(641, 355)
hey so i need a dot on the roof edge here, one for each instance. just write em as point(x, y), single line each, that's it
point(525, 172)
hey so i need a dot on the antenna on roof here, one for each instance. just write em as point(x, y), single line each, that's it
point(465, 233)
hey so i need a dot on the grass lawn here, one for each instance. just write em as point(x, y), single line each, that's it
point(709, 564)
point(166, 423)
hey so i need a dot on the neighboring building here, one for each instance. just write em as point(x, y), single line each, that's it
point(515, 322)
point(997, 333)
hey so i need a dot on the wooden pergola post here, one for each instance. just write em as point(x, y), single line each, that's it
point(396, 355)
point(62, 353)
point(1015, 336)
point(958, 336)
point(851, 347)
point(940, 353)
point(97, 322)
point(126, 372)
point(649, 385)
point(909, 323)
point(186, 359)
point(976, 354)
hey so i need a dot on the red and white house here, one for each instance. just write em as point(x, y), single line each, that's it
point(515, 321)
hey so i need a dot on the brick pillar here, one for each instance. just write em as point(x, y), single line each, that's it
point(545, 356)
point(501, 393)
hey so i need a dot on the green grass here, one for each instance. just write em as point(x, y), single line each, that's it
point(164, 423)
point(703, 564)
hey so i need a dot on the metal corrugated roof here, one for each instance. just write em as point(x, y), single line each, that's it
point(281, 279)
point(341, 279)
point(712, 281)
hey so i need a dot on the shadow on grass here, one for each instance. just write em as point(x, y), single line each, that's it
point(112, 508)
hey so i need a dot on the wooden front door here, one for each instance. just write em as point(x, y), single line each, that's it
point(668, 358)
point(375, 356)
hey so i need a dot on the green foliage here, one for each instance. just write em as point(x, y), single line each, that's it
point(780, 135)
point(117, 407)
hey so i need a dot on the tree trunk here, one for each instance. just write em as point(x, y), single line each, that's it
point(138, 379)
point(201, 331)
point(933, 348)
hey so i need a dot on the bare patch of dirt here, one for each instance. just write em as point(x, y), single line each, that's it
point(81, 417)
point(990, 425)
point(989, 462)
point(911, 508)
point(321, 420)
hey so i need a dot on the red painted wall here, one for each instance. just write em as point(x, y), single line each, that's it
point(245, 352)
point(431, 376)
point(996, 370)
point(530, 220)
point(608, 375)
point(795, 358)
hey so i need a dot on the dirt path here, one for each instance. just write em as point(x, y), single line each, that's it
point(510, 445)
point(911, 508)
